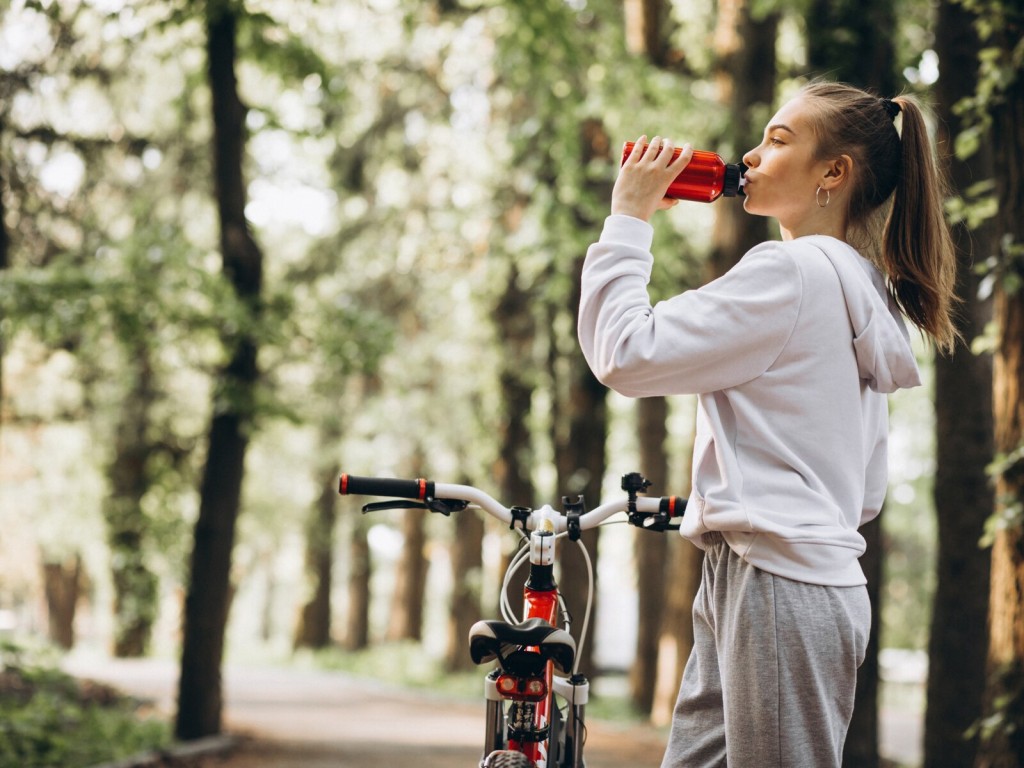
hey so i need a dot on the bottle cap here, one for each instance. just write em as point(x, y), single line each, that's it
point(733, 186)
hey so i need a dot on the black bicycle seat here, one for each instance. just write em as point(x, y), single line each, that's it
point(489, 640)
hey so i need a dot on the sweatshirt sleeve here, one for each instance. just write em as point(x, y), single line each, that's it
point(715, 337)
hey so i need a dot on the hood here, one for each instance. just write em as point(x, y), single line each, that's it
point(885, 358)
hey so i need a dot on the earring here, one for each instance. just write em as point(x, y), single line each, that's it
point(828, 197)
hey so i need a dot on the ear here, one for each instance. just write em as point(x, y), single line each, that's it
point(837, 172)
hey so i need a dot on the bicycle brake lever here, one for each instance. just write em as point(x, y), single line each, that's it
point(441, 506)
point(380, 506)
point(446, 506)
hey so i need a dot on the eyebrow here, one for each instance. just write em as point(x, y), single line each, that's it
point(780, 127)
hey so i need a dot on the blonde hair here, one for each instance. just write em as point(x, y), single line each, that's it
point(917, 253)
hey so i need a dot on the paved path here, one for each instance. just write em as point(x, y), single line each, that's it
point(301, 718)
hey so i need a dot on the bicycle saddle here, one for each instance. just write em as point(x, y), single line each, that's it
point(489, 640)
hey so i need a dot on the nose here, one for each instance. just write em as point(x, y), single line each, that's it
point(751, 158)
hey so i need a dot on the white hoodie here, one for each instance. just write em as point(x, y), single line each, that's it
point(791, 353)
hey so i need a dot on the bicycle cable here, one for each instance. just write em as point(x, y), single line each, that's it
point(586, 613)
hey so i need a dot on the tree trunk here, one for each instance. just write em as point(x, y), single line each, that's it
point(135, 586)
point(208, 597)
point(958, 636)
point(406, 622)
point(649, 28)
point(1005, 694)
point(314, 630)
point(650, 551)
point(580, 431)
point(581, 420)
point(5, 261)
point(467, 568)
point(745, 78)
point(357, 634)
point(676, 637)
point(581, 467)
point(62, 584)
point(861, 748)
point(852, 40)
point(516, 331)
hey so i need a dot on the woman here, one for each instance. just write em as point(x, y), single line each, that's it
point(791, 353)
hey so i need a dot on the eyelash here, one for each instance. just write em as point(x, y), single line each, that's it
point(774, 141)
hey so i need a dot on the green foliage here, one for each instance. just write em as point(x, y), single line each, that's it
point(48, 718)
point(1006, 713)
point(976, 205)
point(1009, 511)
point(1000, 24)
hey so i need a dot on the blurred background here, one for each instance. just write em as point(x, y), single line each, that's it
point(246, 246)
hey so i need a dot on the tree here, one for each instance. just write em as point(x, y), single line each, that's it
point(314, 630)
point(208, 598)
point(467, 572)
point(650, 552)
point(963, 407)
point(4, 259)
point(63, 584)
point(135, 585)
point(581, 426)
point(406, 622)
point(1000, 105)
point(357, 627)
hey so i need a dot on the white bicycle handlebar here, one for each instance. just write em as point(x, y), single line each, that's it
point(434, 495)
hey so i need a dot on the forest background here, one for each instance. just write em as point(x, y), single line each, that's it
point(246, 245)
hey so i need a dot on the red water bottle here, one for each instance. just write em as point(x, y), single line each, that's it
point(705, 179)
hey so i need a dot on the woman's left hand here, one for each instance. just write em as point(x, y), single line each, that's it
point(645, 176)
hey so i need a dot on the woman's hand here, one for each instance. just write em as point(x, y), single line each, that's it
point(644, 178)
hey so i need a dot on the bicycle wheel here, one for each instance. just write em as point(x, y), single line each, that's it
point(507, 759)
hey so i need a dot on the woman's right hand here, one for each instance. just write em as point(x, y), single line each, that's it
point(644, 178)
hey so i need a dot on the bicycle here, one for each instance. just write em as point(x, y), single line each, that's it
point(535, 695)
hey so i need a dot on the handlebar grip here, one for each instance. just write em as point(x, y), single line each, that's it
point(385, 486)
point(674, 506)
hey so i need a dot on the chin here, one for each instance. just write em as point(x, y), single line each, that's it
point(751, 207)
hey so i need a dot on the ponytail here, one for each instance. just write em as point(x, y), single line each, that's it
point(917, 253)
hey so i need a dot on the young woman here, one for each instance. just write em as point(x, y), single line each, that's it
point(791, 354)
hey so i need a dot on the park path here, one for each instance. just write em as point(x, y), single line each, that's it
point(290, 717)
point(302, 718)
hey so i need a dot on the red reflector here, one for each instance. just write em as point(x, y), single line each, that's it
point(536, 687)
point(506, 684)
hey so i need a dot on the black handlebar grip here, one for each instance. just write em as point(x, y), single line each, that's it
point(673, 505)
point(385, 486)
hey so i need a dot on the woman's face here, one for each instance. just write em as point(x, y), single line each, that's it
point(783, 174)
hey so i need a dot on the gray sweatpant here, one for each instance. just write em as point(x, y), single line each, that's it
point(771, 679)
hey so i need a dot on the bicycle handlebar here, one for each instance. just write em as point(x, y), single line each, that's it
point(426, 491)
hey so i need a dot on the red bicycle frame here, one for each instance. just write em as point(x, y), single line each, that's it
point(539, 604)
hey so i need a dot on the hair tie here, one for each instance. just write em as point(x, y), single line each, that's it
point(891, 108)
